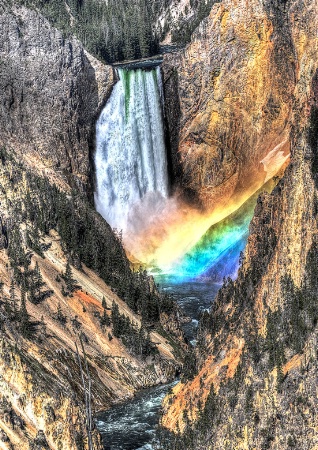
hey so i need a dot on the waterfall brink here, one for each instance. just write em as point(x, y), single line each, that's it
point(130, 159)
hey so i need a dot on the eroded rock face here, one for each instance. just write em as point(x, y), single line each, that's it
point(41, 387)
point(234, 85)
point(257, 358)
point(51, 91)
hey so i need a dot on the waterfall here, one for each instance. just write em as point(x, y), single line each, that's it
point(130, 156)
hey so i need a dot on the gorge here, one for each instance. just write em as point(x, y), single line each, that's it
point(208, 164)
point(134, 195)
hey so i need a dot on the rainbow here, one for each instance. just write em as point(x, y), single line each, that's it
point(193, 246)
point(216, 255)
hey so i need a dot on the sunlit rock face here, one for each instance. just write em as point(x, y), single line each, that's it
point(227, 106)
point(234, 85)
point(282, 245)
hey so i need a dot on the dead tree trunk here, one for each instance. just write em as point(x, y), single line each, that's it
point(87, 387)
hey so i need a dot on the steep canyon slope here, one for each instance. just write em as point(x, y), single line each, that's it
point(64, 276)
point(256, 377)
point(247, 94)
point(228, 101)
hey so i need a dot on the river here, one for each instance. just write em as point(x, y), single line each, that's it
point(132, 425)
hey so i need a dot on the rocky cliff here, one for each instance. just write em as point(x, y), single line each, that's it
point(46, 316)
point(51, 93)
point(247, 94)
point(234, 85)
point(255, 382)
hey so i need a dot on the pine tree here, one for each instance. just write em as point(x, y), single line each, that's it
point(24, 318)
point(59, 315)
point(13, 301)
point(68, 277)
point(1, 288)
point(36, 284)
point(105, 320)
point(33, 241)
point(116, 320)
point(144, 342)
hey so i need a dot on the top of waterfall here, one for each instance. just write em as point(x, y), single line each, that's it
point(150, 61)
point(142, 63)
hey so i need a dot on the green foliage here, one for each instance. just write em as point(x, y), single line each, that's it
point(235, 383)
point(68, 278)
point(167, 304)
point(86, 239)
point(117, 30)
point(273, 342)
point(60, 317)
point(33, 241)
point(208, 416)
point(113, 31)
point(35, 285)
point(17, 255)
point(30, 280)
point(136, 339)
point(24, 319)
point(18, 315)
point(189, 365)
point(105, 320)
point(13, 302)
point(301, 311)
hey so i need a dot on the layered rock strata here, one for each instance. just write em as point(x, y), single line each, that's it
point(234, 85)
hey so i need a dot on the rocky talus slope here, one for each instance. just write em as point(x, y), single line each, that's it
point(43, 319)
point(255, 385)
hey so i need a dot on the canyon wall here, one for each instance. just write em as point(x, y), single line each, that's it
point(233, 87)
point(51, 91)
point(43, 320)
point(256, 376)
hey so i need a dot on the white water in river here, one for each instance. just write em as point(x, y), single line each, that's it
point(132, 425)
point(130, 154)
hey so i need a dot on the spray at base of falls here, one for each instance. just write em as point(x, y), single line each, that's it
point(130, 158)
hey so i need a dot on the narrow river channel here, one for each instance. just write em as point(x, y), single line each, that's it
point(132, 425)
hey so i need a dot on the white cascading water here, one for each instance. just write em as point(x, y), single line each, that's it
point(130, 156)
